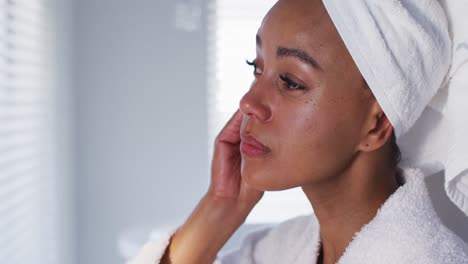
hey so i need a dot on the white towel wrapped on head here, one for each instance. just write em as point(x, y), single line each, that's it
point(414, 56)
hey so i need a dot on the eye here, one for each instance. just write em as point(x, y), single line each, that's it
point(290, 84)
point(257, 70)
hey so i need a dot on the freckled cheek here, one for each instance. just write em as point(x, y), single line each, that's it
point(321, 126)
point(304, 128)
point(300, 125)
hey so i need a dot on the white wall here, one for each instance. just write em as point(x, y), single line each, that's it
point(141, 120)
point(65, 226)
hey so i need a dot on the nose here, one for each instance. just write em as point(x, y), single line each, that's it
point(254, 103)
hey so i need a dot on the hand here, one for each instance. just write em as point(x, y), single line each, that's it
point(222, 210)
point(226, 179)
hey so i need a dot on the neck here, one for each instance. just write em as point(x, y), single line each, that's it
point(347, 202)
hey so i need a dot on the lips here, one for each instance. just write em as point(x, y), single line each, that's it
point(250, 146)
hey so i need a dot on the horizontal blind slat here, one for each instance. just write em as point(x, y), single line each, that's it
point(22, 56)
point(19, 192)
point(19, 234)
point(35, 6)
point(16, 170)
point(16, 156)
point(25, 147)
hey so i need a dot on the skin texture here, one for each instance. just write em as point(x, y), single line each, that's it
point(330, 138)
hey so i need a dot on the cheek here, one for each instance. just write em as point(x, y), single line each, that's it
point(292, 134)
point(315, 144)
point(310, 143)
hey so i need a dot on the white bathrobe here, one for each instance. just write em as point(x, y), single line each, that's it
point(406, 229)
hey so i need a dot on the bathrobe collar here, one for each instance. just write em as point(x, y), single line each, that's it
point(406, 226)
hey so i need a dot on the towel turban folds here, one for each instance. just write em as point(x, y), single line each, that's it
point(414, 56)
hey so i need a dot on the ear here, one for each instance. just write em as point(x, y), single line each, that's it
point(376, 130)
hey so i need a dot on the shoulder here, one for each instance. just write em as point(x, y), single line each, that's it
point(432, 242)
point(406, 229)
point(443, 246)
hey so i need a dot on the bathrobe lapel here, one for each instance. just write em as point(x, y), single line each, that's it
point(406, 229)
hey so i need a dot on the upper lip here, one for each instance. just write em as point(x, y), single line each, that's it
point(253, 141)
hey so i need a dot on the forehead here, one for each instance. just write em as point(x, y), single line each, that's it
point(297, 17)
point(302, 24)
point(299, 9)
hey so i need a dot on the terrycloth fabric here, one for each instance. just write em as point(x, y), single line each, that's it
point(402, 48)
point(414, 56)
point(154, 250)
point(406, 230)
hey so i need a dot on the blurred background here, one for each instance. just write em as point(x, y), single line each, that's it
point(108, 111)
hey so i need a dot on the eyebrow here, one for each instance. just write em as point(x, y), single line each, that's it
point(299, 54)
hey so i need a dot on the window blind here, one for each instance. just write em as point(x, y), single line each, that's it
point(26, 211)
point(232, 27)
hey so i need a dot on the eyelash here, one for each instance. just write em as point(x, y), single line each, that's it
point(253, 64)
point(291, 85)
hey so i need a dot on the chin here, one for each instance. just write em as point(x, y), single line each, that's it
point(263, 180)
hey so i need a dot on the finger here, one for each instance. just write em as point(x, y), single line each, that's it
point(231, 131)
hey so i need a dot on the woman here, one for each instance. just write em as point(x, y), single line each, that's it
point(313, 118)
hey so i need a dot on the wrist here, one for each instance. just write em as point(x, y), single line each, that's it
point(222, 209)
point(207, 229)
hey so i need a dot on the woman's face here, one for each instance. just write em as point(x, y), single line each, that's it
point(307, 103)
